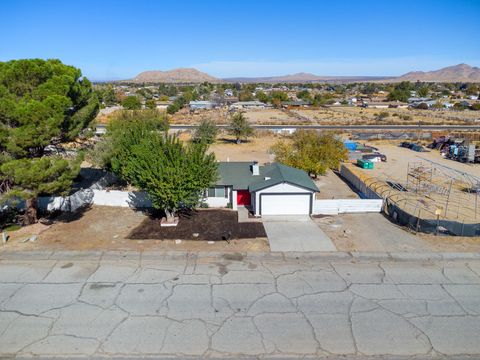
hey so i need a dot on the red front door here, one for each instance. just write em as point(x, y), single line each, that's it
point(243, 197)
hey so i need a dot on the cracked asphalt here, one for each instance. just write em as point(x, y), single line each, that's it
point(190, 305)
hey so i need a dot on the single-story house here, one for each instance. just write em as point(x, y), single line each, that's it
point(297, 103)
point(197, 105)
point(248, 105)
point(163, 105)
point(273, 189)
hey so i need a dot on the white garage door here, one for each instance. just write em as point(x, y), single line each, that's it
point(295, 204)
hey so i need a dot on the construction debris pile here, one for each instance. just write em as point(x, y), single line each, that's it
point(457, 149)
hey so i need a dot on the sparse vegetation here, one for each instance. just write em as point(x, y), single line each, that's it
point(240, 127)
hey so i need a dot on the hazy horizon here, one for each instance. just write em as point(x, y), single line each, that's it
point(115, 40)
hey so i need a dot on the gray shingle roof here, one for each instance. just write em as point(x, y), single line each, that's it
point(239, 175)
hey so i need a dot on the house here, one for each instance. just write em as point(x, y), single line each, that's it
point(248, 105)
point(296, 104)
point(163, 105)
point(197, 105)
point(273, 189)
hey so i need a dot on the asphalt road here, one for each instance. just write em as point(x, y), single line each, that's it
point(350, 127)
point(131, 305)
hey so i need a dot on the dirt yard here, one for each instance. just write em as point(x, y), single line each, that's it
point(332, 186)
point(257, 148)
point(108, 228)
point(357, 116)
point(207, 224)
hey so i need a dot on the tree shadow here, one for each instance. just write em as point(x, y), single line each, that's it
point(89, 177)
point(65, 216)
point(139, 200)
point(233, 141)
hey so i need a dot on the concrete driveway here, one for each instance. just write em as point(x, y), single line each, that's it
point(295, 233)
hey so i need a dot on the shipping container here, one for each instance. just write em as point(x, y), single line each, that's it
point(350, 145)
point(365, 164)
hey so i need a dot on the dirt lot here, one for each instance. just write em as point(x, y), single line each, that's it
point(398, 159)
point(332, 186)
point(357, 116)
point(108, 228)
point(257, 148)
point(373, 232)
point(208, 224)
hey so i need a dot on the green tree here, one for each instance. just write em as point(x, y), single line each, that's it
point(150, 104)
point(240, 127)
point(245, 95)
point(304, 95)
point(311, 151)
point(42, 102)
point(206, 132)
point(279, 95)
point(132, 103)
point(172, 173)
point(261, 96)
point(401, 92)
point(178, 104)
point(423, 91)
point(472, 89)
point(112, 152)
point(31, 178)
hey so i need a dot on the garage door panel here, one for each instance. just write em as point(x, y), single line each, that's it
point(283, 204)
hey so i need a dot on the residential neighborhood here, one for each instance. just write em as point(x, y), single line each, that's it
point(185, 180)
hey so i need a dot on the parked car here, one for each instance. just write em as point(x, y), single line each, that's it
point(375, 157)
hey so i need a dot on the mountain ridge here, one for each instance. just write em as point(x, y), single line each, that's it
point(179, 75)
point(455, 73)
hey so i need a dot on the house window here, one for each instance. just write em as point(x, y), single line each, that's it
point(218, 192)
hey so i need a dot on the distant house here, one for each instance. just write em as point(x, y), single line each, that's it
point(201, 105)
point(163, 105)
point(386, 105)
point(274, 189)
point(298, 103)
point(418, 99)
point(248, 105)
point(428, 103)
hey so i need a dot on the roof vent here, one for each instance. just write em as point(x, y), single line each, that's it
point(255, 168)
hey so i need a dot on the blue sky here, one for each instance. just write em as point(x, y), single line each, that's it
point(118, 39)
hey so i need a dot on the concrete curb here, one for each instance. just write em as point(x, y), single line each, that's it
point(129, 255)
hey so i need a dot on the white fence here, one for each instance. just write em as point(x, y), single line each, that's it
point(343, 206)
point(358, 184)
point(132, 199)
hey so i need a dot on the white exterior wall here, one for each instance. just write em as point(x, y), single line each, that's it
point(121, 198)
point(347, 206)
point(216, 202)
point(221, 202)
point(234, 200)
point(279, 188)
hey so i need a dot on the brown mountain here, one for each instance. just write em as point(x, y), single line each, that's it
point(304, 78)
point(456, 73)
point(181, 75)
